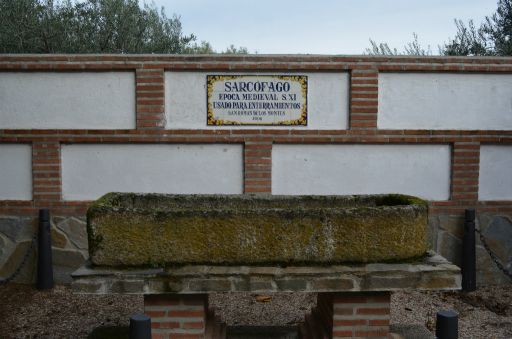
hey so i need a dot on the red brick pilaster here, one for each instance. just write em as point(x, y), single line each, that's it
point(258, 167)
point(150, 98)
point(364, 89)
point(46, 172)
point(465, 171)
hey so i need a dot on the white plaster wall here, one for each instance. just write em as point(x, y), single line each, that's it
point(420, 170)
point(185, 101)
point(92, 100)
point(15, 172)
point(89, 171)
point(495, 172)
point(445, 101)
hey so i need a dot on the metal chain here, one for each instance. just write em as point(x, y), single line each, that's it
point(493, 256)
point(22, 263)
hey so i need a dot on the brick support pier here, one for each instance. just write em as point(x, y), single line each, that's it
point(348, 315)
point(336, 315)
point(353, 301)
point(182, 316)
point(177, 316)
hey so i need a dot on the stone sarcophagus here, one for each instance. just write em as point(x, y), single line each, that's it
point(156, 230)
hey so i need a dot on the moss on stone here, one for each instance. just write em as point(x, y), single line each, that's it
point(398, 200)
point(160, 230)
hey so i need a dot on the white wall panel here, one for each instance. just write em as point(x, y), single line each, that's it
point(89, 171)
point(445, 101)
point(15, 172)
point(93, 100)
point(421, 170)
point(185, 101)
point(495, 172)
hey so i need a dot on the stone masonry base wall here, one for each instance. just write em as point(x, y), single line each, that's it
point(69, 240)
point(69, 246)
point(447, 232)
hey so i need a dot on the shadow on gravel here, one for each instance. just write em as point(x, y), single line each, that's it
point(110, 332)
point(490, 302)
point(262, 332)
point(233, 332)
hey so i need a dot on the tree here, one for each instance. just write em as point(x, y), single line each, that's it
point(92, 26)
point(493, 37)
point(467, 41)
point(498, 28)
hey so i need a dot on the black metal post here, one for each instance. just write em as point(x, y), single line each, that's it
point(447, 325)
point(468, 252)
point(140, 327)
point(44, 254)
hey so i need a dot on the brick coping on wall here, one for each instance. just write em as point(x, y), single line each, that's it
point(253, 62)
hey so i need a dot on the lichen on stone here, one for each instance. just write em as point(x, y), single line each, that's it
point(127, 229)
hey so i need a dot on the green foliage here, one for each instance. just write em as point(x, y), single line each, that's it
point(93, 26)
point(468, 41)
point(203, 48)
point(234, 50)
point(499, 28)
point(411, 48)
point(493, 37)
point(381, 48)
point(206, 48)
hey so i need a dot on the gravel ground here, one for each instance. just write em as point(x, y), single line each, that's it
point(28, 313)
point(485, 313)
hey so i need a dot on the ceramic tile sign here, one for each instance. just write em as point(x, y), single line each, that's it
point(257, 100)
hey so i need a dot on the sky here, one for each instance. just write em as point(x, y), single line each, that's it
point(323, 26)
